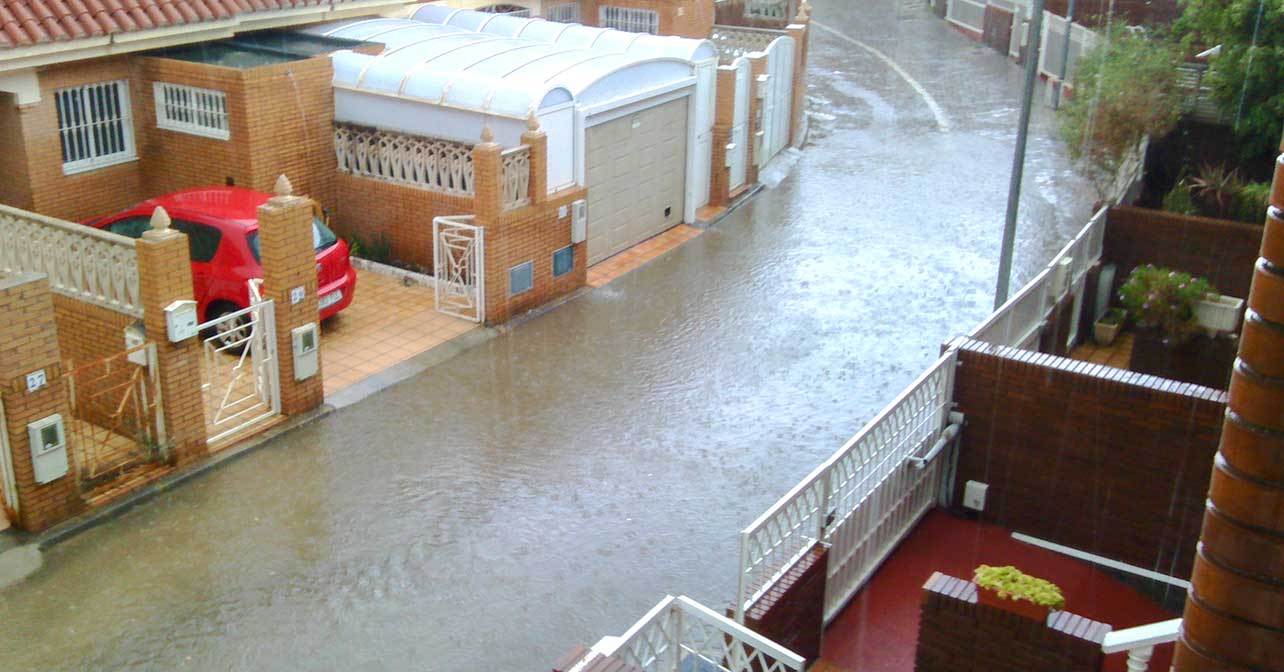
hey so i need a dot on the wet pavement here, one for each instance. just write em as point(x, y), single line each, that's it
point(547, 487)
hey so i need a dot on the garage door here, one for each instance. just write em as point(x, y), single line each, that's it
point(636, 175)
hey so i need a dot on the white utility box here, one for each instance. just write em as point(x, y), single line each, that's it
point(48, 441)
point(306, 344)
point(180, 320)
point(579, 221)
point(974, 495)
point(136, 335)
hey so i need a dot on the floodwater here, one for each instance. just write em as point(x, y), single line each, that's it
point(546, 488)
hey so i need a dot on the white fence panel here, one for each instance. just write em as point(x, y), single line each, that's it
point(680, 634)
point(776, 91)
point(82, 262)
point(967, 14)
point(738, 151)
point(863, 500)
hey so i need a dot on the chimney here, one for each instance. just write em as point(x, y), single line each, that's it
point(1234, 618)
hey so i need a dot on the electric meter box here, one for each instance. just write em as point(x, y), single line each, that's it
point(306, 344)
point(180, 320)
point(579, 221)
point(48, 441)
point(136, 335)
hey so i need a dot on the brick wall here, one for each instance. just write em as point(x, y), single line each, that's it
point(684, 18)
point(957, 634)
point(81, 195)
point(88, 333)
point(792, 613)
point(723, 119)
point(1219, 251)
point(15, 190)
point(366, 209)
point(532, 233)
point(1100, 459)
point(29, 342)
point(733, 14)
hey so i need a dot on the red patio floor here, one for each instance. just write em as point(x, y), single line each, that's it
point(878, 630)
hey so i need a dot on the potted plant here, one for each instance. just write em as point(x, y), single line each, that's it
point(1165, 300)
point(1012, 590)
point(1106, 329)
point(1218, 312)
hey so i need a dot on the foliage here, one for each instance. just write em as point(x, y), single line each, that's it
point(1217, 192)
point(378, 249)
point(1125, 90)
point(1248, 73)
point(1012, 584)
point(1113, 316)
point(1164, 299)
point(1180, 201)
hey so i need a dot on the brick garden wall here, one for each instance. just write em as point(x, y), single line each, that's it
point(957, 634)
point(792, 613)
point(88, 333)
point(1222, 252)
point(532, 233)
point(366, 209)
point(1100, 459)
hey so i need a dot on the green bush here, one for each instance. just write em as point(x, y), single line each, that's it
point(379, 249)
point(1164, 299)
point(1012, 584)
point(1180, 201)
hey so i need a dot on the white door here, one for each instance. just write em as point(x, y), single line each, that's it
point(777, 102)
point(636, 176)
point(738, 152)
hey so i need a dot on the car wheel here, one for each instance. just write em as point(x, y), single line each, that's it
point(231, 335)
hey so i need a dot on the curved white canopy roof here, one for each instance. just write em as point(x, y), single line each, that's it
point(569, 34)
point(492, 74)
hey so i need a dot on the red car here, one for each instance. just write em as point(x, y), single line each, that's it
point(222, 230)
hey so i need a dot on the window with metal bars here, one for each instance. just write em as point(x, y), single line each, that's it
point(511, 10)
point(629, 19)
point(95, 125)
point(188, 109)
point(568, 13)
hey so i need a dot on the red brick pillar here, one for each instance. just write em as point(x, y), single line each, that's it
point(165, 276)
point(757, 68)
point(30, 338)
point(537, 140)
point(290, 282)
point(724, 114)
point(1234, 618)
point(487, 208)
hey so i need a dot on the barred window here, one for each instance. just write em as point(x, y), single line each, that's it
point(511, 10)
point(568, 13)
point(188, 109)
point(629, 19)
point(766, 9)
point(95, 125)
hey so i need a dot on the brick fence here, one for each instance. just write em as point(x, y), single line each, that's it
point(1104, 460)
point(1220, 251)
point(957, 634)
point(792, 612)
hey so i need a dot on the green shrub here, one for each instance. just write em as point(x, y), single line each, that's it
point(1180, 201)
point(1012, 584)
point(379, 249)
point(1164, 299)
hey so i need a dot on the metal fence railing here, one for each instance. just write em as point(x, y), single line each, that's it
point(862, 500)
point(680, 634)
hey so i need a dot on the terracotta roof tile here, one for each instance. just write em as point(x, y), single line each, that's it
point(28, 22)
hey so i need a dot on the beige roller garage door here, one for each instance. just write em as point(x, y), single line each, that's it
point(636, 174)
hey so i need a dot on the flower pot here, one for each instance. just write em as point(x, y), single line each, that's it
point(1105, 333)
point(1217, 312)
point(1023, 608)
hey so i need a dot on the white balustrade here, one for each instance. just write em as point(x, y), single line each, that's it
point(81, 262)
point(1140, 642)
point(516, 177)
point(682, 634)
point(862, 500)
point(733, 42)
point(434, 164)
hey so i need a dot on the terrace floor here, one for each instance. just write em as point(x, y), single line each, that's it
point(1116, 354)
point(878, 631)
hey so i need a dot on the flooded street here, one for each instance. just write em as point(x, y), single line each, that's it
point(548, 487)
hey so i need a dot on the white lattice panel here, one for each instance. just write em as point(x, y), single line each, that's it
point(516, 177)
point(733, 42)
point(429, 163)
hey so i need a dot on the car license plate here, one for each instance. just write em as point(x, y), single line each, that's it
point(330, 299)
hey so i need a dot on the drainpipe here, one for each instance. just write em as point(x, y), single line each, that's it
point(1234, 618)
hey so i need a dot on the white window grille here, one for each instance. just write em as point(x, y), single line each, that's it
point(766, 9)
point(629, 19)
point(568, 13)
point(188, 109)
point(95, 125)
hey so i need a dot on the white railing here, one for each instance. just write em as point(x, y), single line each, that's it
point(862, 500)
point(1019, 321)
point(681, 634)
point(82, 262)
point(516, 177)
point(966, 13)
point(428, 163)
point(733, 42)
point(1140, 642)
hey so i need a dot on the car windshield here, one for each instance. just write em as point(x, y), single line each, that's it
point(322, 238)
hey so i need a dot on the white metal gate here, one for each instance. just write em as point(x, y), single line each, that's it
point(738, 151)
point(8, 483)
point(776, 90)
point(458, 262)
point(239, 369)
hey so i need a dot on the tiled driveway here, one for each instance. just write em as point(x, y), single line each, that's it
point(387, 323)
